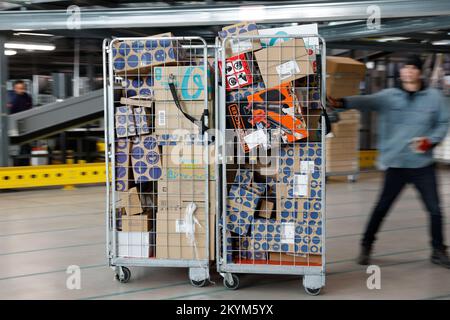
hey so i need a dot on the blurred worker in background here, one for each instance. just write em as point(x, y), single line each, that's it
point(19, 101)
point(412, 120)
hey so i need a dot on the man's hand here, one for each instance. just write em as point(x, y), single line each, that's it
point(334, 103)
point(421, 144)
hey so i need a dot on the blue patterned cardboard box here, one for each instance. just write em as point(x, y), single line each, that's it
point(139, 56)
point(241, 205)
point(142, 120)
point(145, 159)
point(246, 252)
point(236, 45)
point(122, 164)
point(142, 86)
point(300, 158)
point(125, 124)
point(275, 236)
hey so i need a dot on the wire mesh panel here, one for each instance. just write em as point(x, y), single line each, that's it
point(272, 156)
point(162, 183)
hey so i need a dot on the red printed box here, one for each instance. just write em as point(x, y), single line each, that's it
point(238, 73)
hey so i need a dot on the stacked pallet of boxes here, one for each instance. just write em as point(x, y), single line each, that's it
point(273, 209)
point(160, 166)
point(343, 79)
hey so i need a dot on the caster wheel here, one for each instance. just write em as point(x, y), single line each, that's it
point(312, 292)
point(198, 284)
point(352, 179)
point(124, 276)
point(231, 286)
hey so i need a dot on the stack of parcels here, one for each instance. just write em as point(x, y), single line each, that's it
point(260, 77)
point(163, 166)
point(344, 76)
point(136, 221)
point(277, 219)
point(273, 209)
point(188, 178)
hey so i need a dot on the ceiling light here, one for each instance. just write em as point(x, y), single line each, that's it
point(29, 46)
point(441, 43)
point(33, 34)
point(370, 64)
point(10, 52)
point(386, 39)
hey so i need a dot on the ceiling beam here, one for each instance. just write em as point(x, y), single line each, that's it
point(312, 11)
point(359, 30)
point(388, 46)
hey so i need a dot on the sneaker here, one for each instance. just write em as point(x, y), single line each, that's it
point(364, 256)
point(440, 257)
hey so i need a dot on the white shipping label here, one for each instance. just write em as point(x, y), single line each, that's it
point(307, 167)
point(287, 69)
point(162, 118)
point(288, 232)
point(240, 45)
point(180, 226)
point(256, 138)
point(300, 187)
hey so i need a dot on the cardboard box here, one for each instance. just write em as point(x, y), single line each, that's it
point(135, 57)
point(300, 170)
point(136, 244)
point(291, 259)
point(240, 71)
point(125, 123)
point(241, 94)
point(139, 223)
point(236, 45)
point(284, 62)
point(130, 201)
point(241, 206)
point(146, 159)
point(344, 76)
point(175, 194)
point(189, 82)
point(286, 237)
point(142, 119)
point(301, 210)
point(172, 241)
point(266, 209)
point(137, 101)
point(189, 162)
point(311, 43)
point(246, 252)
point(278, 108)
point(169, 119)
point(138, 86)
point(124, 175)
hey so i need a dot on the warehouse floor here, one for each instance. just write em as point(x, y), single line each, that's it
point(42, 232)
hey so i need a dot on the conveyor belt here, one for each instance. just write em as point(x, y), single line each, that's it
point(52, 118)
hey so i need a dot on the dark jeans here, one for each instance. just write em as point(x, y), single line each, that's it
point(424, 180)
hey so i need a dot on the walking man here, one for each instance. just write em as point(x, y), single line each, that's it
point(412, 120)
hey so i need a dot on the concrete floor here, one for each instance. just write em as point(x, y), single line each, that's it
point(42, 232)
